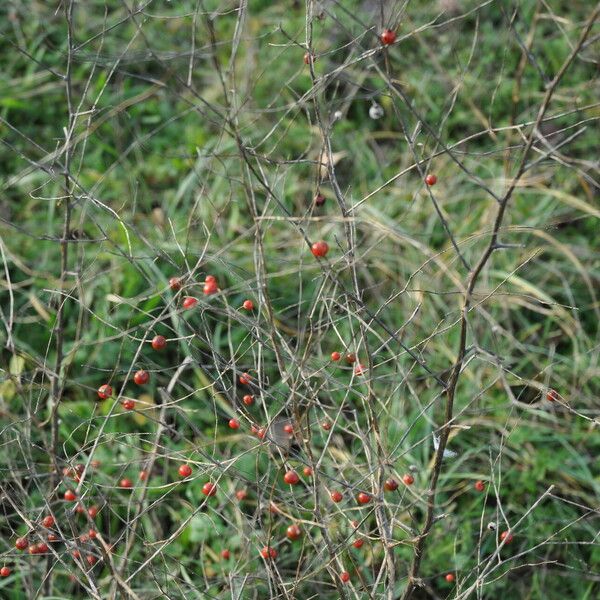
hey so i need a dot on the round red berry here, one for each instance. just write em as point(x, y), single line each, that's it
point(185, 470)
point(293, 532)
point(70, 496)
point(291, 477)
point(335, 356)
point(345, 576)
point(408, 479)
point(307, 471)
point(234, 424)
point(105, 391)
point(326, 425)
point(359, 369)
point(143, 475)
point(209, 489)
point(288, 428)
point(479, 486)
point(388, 37)
point(189, 302)
point(358, 543)
point(4, 572)
point(320, 249)
point(308, 58)
point(225, 554)
point(21, 543)
point(248, 399)
point(506, 535)
point(449, 577)
point(210, 279)
point(245, 379)
point(390, 485)
point(126, 483)
point(319, 200)
point(268, 552)
point(552, 395)
point(363, 498)
point(141, 377)
point(159, 342)
point(91, 560)
point(241, 495)
point(350, 358)
point(128, 404)
point(175, 284)
point(210, 287)
point(248, 305)
point(337, 496)
point(48, 521)
point(430, 180)
point(92, 533)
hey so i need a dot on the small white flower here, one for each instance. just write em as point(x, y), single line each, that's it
point(376, 111)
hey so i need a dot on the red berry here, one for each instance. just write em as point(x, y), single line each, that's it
point(390, 485)
point(248, 305)
point(4, 572)
point(248, 399)
point(363, 498)
point(79, 509)
point(21, 543)
point(308, 58)
point(408, 479)
point(33, 549)
point(479, 486)
point(234, 424)
point(209, 489)
point(175, 283)
point(92, 512)
point(291, 477)
point(307, 471)
point(52, 537)
point(48, 521)
point(319, 249)
point(128, 404)
point(159, 342)
point(431, 180)
point(92, 533)
point(141, 377)
point(245, 379)
point(345, 576)
point(70, 496)
point(350, 358)
point(241, 495)
point(42, 548)
point(225, 554)
point(210, 279)
point(91, 560)
point(143, 475)
point(260, 433)
point(506, 535)
point(126, 483)
point(319, 200)
point(388, 37)
point(185, 470)
point(105, 391)
point(268, 552)
point(337, 496)
point(358, 543)
point(335, 356)
point(552, 395)
point(288, 428)
point(76, 554)
point(293, 532)
point(359, 369)
point(189, 302)
point(449, 577)
point(210, 287)
point(326, 425)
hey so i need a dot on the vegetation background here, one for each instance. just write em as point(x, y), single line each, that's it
point(147, 140)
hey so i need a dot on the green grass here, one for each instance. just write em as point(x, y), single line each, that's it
point(162, 189)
